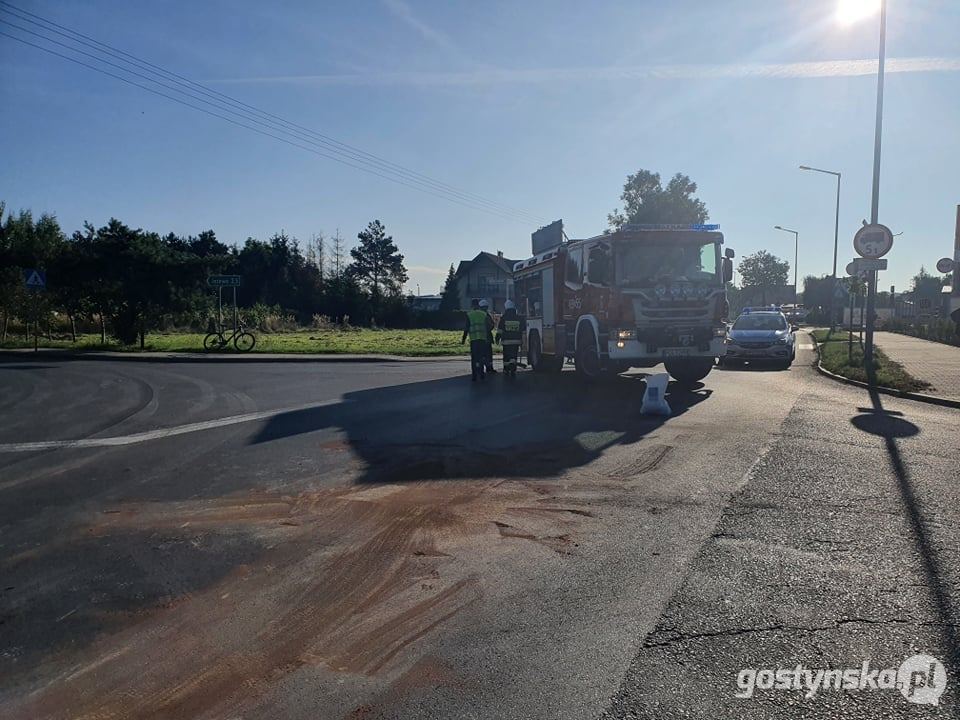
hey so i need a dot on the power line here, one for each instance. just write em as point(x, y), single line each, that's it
point(248, 127)
point(343, 153)
point(378, 171)
point(325, 142)
point(114, 52)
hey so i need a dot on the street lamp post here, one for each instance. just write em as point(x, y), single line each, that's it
point(875, 203)
point(796, 259)
point(836, 233)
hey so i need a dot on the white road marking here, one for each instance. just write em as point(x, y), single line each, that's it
point(805, 346)
point(158, 434)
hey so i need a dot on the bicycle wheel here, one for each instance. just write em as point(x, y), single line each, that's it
point(244, 342)
point(214, 341)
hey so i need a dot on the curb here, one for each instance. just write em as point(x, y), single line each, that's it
point(53, 354)
point(906, 394)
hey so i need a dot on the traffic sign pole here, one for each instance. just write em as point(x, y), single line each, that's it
point(850, 330)
point(956, 257)
point(871, 303)
point(220, 282)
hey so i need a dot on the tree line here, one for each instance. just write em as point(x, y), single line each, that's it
point(130, 281)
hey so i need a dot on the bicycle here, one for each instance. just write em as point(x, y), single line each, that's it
point(218, 340)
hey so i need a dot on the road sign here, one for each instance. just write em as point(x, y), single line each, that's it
point(945, 265)
point(34, 279)
point(873, 241)
point(223, 281)
point(862, 266)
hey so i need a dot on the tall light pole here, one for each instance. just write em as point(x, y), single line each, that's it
point(875, 204)
point(796, 259)
point(836, 234)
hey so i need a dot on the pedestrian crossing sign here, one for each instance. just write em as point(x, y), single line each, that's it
point(34, 279)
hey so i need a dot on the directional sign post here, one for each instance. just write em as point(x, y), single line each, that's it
point(863, 266)
point(35, 281)
point(220, 282)
point(224, 280)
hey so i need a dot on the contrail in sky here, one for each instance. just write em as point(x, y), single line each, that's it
point(734, 71)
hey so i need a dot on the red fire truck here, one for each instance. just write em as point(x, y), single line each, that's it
point(636, 297)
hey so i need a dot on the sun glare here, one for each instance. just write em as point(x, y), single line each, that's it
point(850, 11)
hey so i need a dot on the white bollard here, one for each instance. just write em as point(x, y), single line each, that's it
point(654, 402)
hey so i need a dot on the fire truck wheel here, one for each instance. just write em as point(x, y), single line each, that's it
point(688, 372)
point(587, 358)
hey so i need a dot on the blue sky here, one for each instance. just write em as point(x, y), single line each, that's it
point(542, 105)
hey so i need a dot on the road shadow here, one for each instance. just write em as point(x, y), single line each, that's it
point(530, 426)
point(891, 426)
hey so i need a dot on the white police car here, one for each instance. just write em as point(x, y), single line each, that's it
point(761, 335)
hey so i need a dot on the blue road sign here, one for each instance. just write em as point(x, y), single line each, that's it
point(34, 279)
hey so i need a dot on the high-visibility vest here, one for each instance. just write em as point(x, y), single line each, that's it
point(478, 324)
point(510, 332)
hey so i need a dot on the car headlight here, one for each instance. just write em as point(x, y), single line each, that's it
point(626, 334)
point(782, 341)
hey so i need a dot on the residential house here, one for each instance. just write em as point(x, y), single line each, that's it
point(487, 277)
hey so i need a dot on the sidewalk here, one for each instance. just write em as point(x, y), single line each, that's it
point(936, 363)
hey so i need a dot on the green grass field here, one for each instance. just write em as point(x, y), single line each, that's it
point(835, 358)
point(411, 343)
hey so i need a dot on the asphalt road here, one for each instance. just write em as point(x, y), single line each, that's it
point(365, 540)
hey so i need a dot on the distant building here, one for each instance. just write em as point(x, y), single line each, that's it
point(487, 277)
point(427, 303)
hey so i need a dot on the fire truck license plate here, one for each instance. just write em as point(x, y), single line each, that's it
point(676, 352)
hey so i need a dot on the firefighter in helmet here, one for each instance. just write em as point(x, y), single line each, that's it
point(509, 334)
point(478, 327)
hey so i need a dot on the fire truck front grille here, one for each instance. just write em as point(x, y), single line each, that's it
point(692, 313)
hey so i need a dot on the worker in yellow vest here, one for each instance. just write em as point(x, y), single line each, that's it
point(478, 327)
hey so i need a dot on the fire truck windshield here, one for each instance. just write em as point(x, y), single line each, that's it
point(649, 263)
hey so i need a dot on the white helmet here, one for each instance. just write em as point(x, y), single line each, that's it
point(508, 305)
point(484, 303)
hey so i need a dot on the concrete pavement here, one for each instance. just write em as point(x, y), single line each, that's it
point(388, 540)
point(937, 363)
